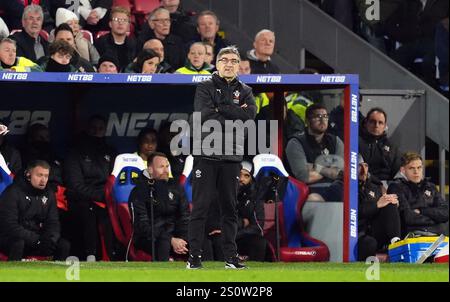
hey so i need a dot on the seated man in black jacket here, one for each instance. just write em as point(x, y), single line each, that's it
point(250, 237)
point(421, 206)
point(378, 220)
point(160, 211)
point(29, 222)
point(375, 147)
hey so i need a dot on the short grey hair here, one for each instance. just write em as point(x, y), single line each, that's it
point(264, 31)
point(8, 40)
point(32, 8)
point(229, 50)
point(151, 15)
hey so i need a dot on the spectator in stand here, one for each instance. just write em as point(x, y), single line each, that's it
point(83, 46)
point(117, 42)
point(4, 31)
point(9, 60)
point(441, 48)
point(94, 13)
point(29, 43)
point(413, 24)
point(208, 27)
point(159, 28)
point(195, 63)
point(146, 62)
point(182, 24)
point(317, 157)
point(29, 223)
point(61, 53)
point(422, 208)
point(64, 32)
point(86, 170)
point(158, 47)
point(376, 149)
point(108, 64)
point(378, 219)
point(9, 152)
point(209, 57)
point(260, 55)
point(13, 13)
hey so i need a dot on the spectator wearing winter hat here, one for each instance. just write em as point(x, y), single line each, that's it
point(108, 64)
point(84, 47)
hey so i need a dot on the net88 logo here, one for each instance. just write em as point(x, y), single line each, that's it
point(20, 119)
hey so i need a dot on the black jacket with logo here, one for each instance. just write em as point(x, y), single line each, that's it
point(381, 155)
point(369, 194)
point(170, 208)
point(28, 213)
point(216, 99)
point(251, 208)
point(424, 197)
point(86, 170)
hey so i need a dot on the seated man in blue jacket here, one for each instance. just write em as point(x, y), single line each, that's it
point(29, 223)
point(422, 209)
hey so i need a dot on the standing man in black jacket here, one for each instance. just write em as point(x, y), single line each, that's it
point(29, 222)
point(155, 197)
point(221, 98)
point(421, 206)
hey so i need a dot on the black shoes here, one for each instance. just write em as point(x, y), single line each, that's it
point(234, 263)
point(194, 262)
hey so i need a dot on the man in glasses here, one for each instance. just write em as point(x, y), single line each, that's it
point(317, 157)
point(221, 98)
point(117, 41)
point(159, 27)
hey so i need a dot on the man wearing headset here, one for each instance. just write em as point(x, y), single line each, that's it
point(29, 222)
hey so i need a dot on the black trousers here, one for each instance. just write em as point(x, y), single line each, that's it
point(16, 249)
point(254, 246)
point(88, 220)
point(383, 227)
point(162, 247)
point(209, 177)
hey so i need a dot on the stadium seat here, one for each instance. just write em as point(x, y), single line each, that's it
point(6, 176)
point(87, 35)
point(296, 245)
point(145, 6)
point(127, 168)
point(185, 179)
point(123, 3)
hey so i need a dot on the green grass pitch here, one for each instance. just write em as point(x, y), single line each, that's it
point(215, 272)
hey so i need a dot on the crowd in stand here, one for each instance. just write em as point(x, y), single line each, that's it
point(394, 197)
point(414, 33)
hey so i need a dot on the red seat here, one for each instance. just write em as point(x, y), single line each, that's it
point(123, 3)
point(117, 190)
point(87, 35)
point(296, 245)
point(145, 6)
